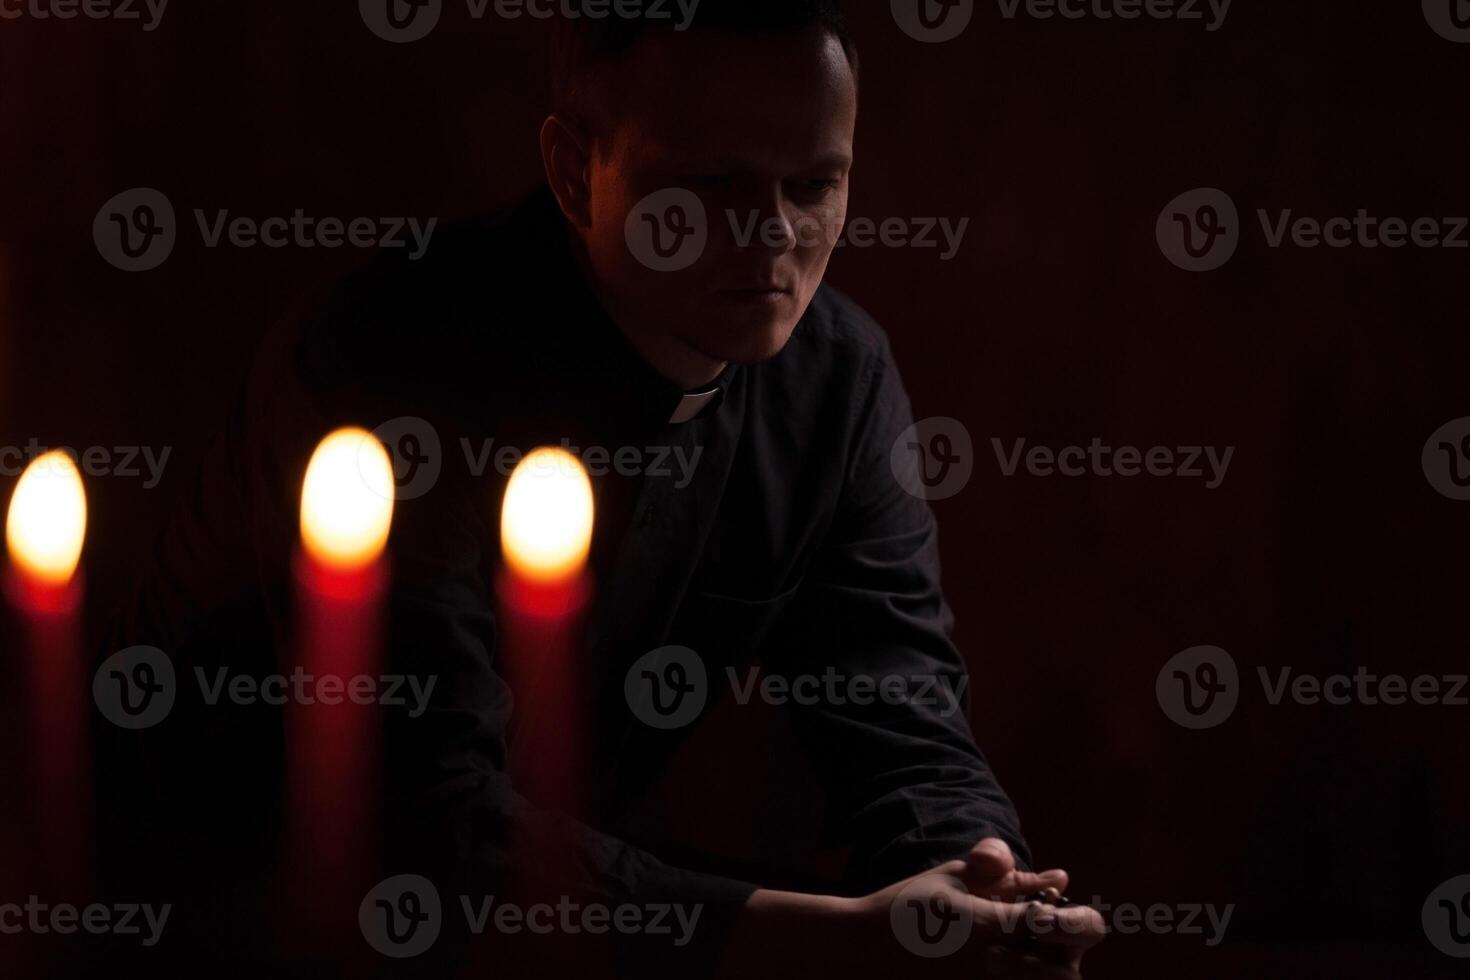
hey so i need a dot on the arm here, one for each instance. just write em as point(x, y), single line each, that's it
point(909, 785)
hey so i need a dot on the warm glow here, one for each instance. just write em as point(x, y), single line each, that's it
point(347, 500)
point(546, 520)
point(48, 520)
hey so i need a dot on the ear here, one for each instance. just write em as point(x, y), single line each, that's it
point(565, 153)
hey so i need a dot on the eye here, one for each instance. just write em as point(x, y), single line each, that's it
point(817, 187)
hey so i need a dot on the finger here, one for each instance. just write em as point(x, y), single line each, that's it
point(991, 859)
point(1020, 884)
point(991, 869)
point(1076, 927)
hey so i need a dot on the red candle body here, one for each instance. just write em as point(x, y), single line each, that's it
point(540, 631)
point(61, 757)
point(333, 748)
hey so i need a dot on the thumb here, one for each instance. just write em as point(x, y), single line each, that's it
point(990, 860)
point(990, 870)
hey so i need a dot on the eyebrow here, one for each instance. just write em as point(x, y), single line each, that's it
point(834, 161)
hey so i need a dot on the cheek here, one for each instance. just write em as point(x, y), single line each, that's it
point(827, 222)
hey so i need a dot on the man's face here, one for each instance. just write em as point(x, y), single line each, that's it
point(761, 131)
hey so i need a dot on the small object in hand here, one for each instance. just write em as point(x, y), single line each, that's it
point(1050, 897)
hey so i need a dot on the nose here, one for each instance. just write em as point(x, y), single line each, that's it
point(775, 222)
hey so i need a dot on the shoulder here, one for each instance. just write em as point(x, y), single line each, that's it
point(837, 326)
point(838, 352)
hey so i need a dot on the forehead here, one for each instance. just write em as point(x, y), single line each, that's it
point(771, 100)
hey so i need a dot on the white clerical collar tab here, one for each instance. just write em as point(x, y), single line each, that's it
point(691, 405)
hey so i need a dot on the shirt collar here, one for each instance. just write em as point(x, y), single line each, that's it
point(606, 344)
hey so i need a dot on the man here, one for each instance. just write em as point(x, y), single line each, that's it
point(791, 543)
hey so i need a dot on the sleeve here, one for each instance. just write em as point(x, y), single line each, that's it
point(910, 788)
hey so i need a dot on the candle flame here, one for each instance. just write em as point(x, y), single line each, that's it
point(47, 521)
point(347, 500)
point(546, 520)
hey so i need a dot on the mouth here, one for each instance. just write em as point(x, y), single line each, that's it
point(763, 294)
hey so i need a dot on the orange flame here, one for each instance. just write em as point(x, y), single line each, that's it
point(546, 519)
point(47, 521)
point(347, 500)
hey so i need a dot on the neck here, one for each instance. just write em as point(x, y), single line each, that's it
point(667, 354)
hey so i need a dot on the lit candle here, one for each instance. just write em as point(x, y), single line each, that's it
point(543, 590)
point(341, 574)
point(44, 531)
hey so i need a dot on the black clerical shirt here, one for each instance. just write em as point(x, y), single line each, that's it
point(788, 545)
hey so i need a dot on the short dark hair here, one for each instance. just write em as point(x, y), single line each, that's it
point(583, 48)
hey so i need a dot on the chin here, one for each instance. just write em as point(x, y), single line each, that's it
point(744, 339)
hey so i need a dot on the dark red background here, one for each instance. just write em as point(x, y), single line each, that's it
point(1059, 320)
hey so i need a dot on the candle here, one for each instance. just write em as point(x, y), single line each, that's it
point(44, 531)
point(543, 589)
point(341, 575)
